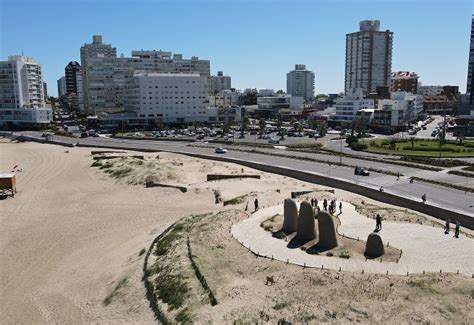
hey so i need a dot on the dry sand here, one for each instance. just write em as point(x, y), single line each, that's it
point(72, 235)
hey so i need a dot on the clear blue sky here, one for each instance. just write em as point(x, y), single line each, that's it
point(255, 42)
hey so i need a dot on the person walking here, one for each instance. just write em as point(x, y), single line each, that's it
point(312, 202)
point(325, 205)
point(256, 204)
point(423, 197)
point(446, 226)
point(378, 223)
point(315, 202)
point(398, 176)
point(456, 230)
point(340, 207)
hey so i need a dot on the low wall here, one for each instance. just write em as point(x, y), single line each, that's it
point(216, 177)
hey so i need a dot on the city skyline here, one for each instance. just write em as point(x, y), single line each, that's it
point(252, 56)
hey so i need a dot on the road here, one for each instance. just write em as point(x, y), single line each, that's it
point(455, 200)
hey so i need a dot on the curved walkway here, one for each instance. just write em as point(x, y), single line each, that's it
point(425, 248)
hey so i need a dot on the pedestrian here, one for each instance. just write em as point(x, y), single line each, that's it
point(318, 209)
point(312, 202)
point(378, 223)
point(256, 204)
point(325, 205)
point(446, 226)
point(423, 197)
point(340, 207)
point(398, 176)
point(456, 230)
point(315, 202)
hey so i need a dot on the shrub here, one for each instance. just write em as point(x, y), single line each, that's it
point(356, 146)
point(351, 139)
point(345, 254)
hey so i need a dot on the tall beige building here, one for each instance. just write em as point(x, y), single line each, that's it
point(368, 57)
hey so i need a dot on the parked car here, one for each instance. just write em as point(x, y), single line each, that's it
point(200, 137)
point(361, 171)
point(220, 150)
point(273, 141)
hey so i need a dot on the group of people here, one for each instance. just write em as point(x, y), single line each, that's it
point(329, 206)
point(456, 229)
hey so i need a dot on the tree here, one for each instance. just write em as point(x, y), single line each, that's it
point(360, 125)
point(261, 125)
point(226, 127)
point(279, 92)
point(351, 139)
point(245, 123)
point(297, 127)
point(322, 128)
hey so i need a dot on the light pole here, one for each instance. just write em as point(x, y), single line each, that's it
point(340, 155)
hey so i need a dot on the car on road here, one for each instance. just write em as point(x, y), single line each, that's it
point(220, 150)
point(273, 141)
point(361, 171)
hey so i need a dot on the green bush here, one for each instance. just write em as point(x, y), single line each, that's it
point(356, 146)
point(351, 139)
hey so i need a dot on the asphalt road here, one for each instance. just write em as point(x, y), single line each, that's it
point(462, 202)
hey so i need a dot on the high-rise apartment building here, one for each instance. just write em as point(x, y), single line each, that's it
point(404, 81)
point(106, 75)
point(219, 83)
point(300, 82)
point(21, 92)
point(22, 83)
point(74, 86)
point(94, 85)
point(470, 72)
point(61, 86)
point(72, 70)
point(368, 57)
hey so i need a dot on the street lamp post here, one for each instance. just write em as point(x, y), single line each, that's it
point(340, 155)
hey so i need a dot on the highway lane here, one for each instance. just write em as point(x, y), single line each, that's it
point(436, 195)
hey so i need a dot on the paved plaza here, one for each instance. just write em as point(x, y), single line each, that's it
point(424, 248)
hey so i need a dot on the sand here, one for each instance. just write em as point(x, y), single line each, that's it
point(70, 240)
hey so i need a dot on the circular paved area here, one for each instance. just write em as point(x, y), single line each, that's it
point(425, 248)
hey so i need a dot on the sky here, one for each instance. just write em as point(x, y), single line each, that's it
point(255, 42)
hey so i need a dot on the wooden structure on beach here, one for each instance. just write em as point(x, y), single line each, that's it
point(8, 184)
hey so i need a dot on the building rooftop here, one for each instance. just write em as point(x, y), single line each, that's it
point(160, 74)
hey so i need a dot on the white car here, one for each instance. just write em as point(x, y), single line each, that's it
point(220, 150)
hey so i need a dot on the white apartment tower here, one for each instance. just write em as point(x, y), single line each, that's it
point(22, 93)
point(300, 82)
point(368, 57)
point(21, 83)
